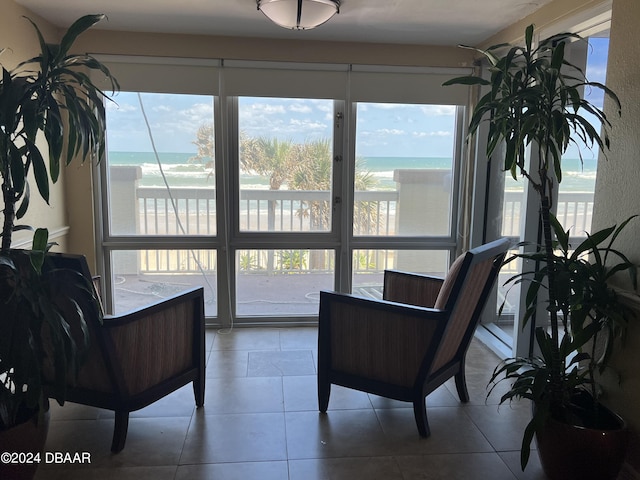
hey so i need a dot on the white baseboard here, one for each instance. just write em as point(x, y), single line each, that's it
point(24, 240)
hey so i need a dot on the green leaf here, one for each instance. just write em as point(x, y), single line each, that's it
point(43, 45)
point(18, 173)
point(39, 170)
point(78, 27)
point(40, 239)
point(467, 80)
point(30, 118)
point(54, 134)
point(24, 205)
point(561, 235)
point(528, 36)
point(593, 240)
point(620, 228)
point(525, 449)
point(39, 248)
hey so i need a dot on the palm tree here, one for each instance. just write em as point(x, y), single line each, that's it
point(269, 157)
point(313, 171)
point(206, 148)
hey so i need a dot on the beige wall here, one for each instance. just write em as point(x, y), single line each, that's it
point(617, 195)
point(21, 43)
point(199, 46)
point(553, 13)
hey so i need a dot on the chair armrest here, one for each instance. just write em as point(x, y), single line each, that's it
point(159, 341)
point(411, 288)
point(378, 339)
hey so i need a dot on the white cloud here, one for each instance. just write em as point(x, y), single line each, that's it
point(198, 113)
point(438, 110)
point(120, 107)
point(324, 106)
point(307, 124)
point(390, 131)
point(439, 133)
point(389, 106)
point(300, 108)
point(265, 109)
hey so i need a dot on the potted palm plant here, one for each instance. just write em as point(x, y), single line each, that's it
point(49, 95)
point(534, 100)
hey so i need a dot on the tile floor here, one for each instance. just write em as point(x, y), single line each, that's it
point(260, 421)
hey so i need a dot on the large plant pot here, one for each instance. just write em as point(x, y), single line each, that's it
point(28, 439)
point(569, 452)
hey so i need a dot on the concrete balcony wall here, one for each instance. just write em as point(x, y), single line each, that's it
point(123, 183)
point(424, 208)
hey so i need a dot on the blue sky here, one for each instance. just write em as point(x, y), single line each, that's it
point(382, 129)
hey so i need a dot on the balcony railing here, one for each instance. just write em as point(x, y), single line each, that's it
point(574, 210)
point(295, 211)
point(260, 211)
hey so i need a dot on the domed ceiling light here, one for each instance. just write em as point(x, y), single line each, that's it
point(299, 14)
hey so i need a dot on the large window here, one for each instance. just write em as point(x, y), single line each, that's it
point(285, 182)
point(403, 189)
point(160, 156)
point(271, 187)
point(286, 164)
point(404, 169)
point(160, 181)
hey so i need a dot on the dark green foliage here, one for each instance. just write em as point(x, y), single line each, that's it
point(49, 95)
point(36, 313)
point(533, 103)
point(591, 315)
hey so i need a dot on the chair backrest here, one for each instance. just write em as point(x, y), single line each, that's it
point(464, 294)
point(66, 267)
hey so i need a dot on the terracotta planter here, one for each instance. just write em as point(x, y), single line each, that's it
point(570, 452)
point(28, 439)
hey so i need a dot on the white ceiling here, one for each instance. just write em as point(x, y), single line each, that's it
point(425, 22)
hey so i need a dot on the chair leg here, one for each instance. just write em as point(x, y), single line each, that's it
point(324, 391)
point(198, 388)
point(120, 431)
point(461, 385)
point(420, 414)
point(324, 385)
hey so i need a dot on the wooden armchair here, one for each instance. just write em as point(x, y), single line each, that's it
point(411, 342)
point(138, 357)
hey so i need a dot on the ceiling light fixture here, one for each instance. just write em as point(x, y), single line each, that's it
point(299, 14)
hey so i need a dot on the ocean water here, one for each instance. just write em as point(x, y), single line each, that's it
point(181, 170)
